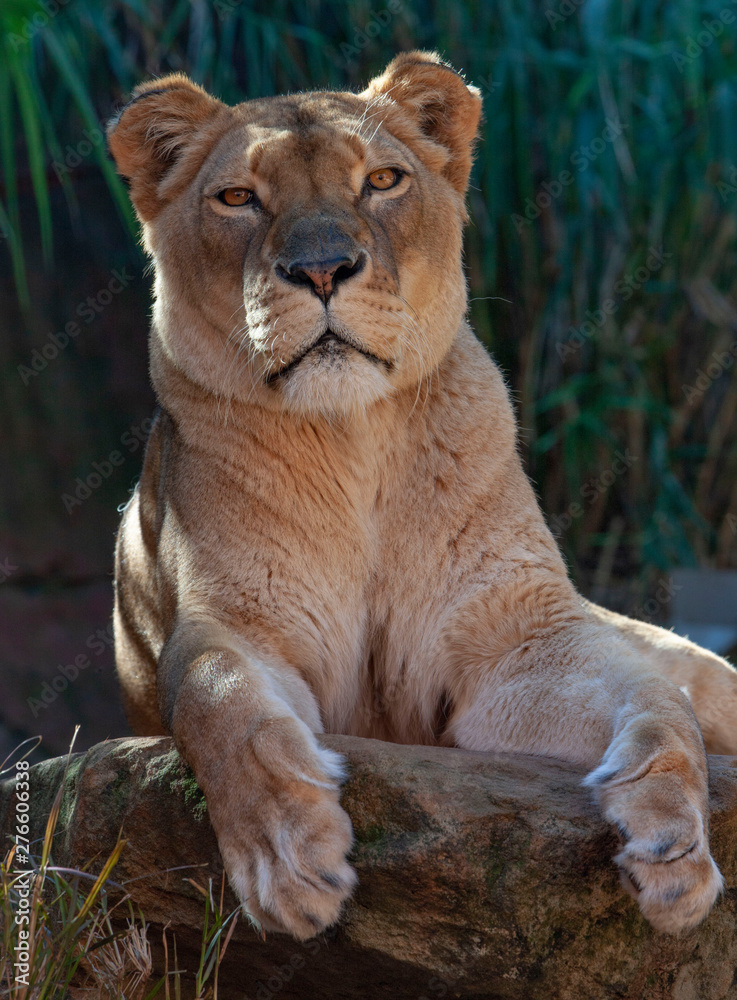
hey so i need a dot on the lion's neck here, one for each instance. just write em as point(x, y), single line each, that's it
point(456, 404)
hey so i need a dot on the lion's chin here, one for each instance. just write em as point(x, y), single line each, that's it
point(319, 389)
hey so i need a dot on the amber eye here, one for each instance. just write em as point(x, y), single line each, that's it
point(235, 196)
point(384, 179)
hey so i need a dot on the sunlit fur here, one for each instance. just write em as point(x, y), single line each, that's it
point(340, 536)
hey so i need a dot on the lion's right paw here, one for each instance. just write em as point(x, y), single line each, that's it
point(284, 836)
point(293, 875)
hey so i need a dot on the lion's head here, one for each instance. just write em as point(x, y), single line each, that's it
point(307, 247)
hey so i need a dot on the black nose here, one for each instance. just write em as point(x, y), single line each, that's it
point(323, 276)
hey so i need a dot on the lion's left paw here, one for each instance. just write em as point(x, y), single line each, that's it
point(665, 861)
point(674, 893)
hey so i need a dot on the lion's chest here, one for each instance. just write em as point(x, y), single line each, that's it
point(347, 557)
point(356, 577)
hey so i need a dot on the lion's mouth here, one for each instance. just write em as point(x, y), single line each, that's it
point(329, 337)
point(328, 343)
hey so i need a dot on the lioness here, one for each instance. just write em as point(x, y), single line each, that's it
point(333, 531)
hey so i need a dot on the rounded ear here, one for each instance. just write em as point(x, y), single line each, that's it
point(161, 137)
point(446, 109)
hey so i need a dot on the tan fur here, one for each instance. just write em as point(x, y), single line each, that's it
point(347, 542)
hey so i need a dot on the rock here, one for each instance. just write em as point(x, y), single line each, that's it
point(481, 875)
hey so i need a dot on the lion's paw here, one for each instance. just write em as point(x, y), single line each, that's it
point(294, 877)
point(665, 862)
point(674, 894)
point(283, 835)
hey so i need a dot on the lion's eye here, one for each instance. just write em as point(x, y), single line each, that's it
point(384, 179)
point(235, 196)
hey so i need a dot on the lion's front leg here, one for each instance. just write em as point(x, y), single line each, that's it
point(708, 680)
point(652, 785)
point(246, 725)
point(578, 692)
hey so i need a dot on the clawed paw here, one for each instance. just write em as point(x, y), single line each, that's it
point(298, 880)
point(283, 834)
point(674, 895)
point(294, 876)
point(664, 862)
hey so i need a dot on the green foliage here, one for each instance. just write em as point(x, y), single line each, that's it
point(36, 46)
point(609, 139)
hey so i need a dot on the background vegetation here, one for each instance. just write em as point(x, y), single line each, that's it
point(601, 253)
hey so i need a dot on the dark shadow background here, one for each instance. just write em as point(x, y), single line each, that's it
point(600, 256)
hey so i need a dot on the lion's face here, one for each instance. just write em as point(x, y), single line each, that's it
point(307, 248)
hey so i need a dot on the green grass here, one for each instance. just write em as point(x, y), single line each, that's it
point(665, 179)
point(84, 932)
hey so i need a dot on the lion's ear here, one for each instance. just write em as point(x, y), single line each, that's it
point(161, 137)
point(446, 109)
